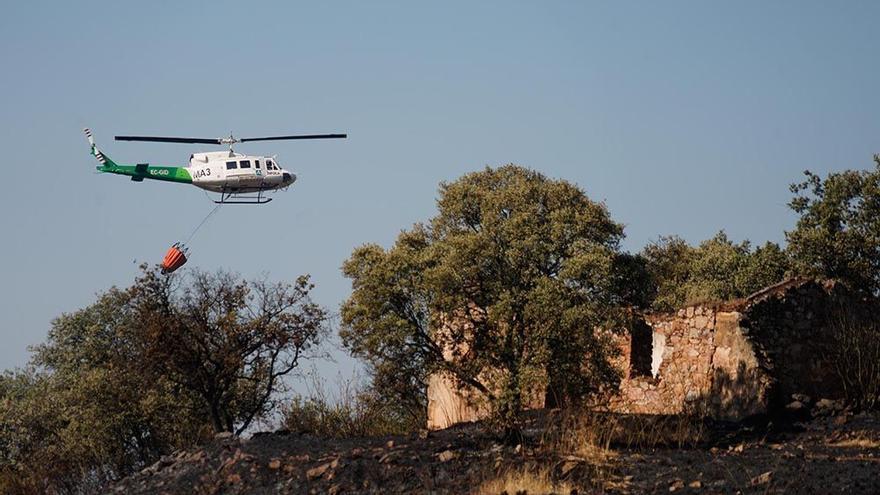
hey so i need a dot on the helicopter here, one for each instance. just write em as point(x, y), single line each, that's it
point(238, 178)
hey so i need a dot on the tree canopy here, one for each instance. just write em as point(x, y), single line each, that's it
point(717, 269)
point(147, 370)
point(226, 340)
point(503, 290)
point(838, 230)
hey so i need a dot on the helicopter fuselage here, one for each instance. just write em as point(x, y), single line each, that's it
point(220, 171)
point(232, 172)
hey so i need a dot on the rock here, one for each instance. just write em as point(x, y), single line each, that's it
point(274, 464)
point(446, 456)
point(317, 472)
point(762, 479)
point(696, 484)
point(223, 435)
point(567, 467)
point(739, 448)
point(795, 406)
point(198, 455)
point(233, 479)
point(827, 407)
point(802, 398)
point(518, 448)
point(390, 444)
point(424, 434)
point(676, 485)
point(334, 490)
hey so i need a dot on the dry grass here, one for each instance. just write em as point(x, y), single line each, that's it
point(522, 481)
point(853, 350)
point(857, 442)
point(587, 433)
point(578, 450)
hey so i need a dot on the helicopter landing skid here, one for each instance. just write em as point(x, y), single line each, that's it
point(231, 198)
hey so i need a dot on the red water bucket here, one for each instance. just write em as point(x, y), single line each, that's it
point(174, 258)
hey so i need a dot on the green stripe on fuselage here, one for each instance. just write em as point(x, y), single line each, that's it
point(170, 174)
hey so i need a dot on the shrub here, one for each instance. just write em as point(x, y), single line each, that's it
point(355, 411)
point(853, 351)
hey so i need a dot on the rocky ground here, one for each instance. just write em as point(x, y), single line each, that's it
point(828, 451)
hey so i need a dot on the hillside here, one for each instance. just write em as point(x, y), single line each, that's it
point(833, 452)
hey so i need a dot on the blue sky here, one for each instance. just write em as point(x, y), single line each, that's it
point(684, 117)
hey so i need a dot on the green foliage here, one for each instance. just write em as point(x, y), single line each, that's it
point(145, 371)
point(838, 232)
point(509, 281)
point(83, 413)
point(669, 262)
point(716, 270)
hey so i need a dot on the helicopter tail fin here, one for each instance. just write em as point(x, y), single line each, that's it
point(104, 160)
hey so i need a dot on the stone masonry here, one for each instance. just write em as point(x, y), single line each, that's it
point(730, 360)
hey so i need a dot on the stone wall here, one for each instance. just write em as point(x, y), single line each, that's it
point(702, 363)
point(729, 361)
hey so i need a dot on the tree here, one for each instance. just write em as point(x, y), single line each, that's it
point(83, 413)
point(838, 232)
point(227, 341)
point(669, 261)
point(716, 270)
point(148, 370)
point(503, 290)
point(386, 320)
point(765, 266)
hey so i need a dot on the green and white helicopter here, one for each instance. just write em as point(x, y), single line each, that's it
point(239, 179)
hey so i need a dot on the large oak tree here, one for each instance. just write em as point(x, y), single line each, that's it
point(512, 278)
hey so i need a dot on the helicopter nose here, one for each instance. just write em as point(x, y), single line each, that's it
point(287, 177)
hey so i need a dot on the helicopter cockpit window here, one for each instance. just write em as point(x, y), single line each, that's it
point(245, 164)
point(231, 165)
point(270, 165)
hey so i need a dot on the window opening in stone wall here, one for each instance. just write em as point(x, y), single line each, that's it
point(640, 349)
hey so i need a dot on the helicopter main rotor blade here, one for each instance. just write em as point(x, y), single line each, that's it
point(303, 136)
point(156, 139)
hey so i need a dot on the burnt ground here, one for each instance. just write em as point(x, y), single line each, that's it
point(838, 453)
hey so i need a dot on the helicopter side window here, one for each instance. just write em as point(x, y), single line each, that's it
point(231, 165)
point(245, 164)
point(257, 163)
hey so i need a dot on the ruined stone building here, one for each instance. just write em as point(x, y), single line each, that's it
point(729, 360)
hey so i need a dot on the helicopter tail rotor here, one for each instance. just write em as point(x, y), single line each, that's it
point(89, 136)
point(102, 159)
